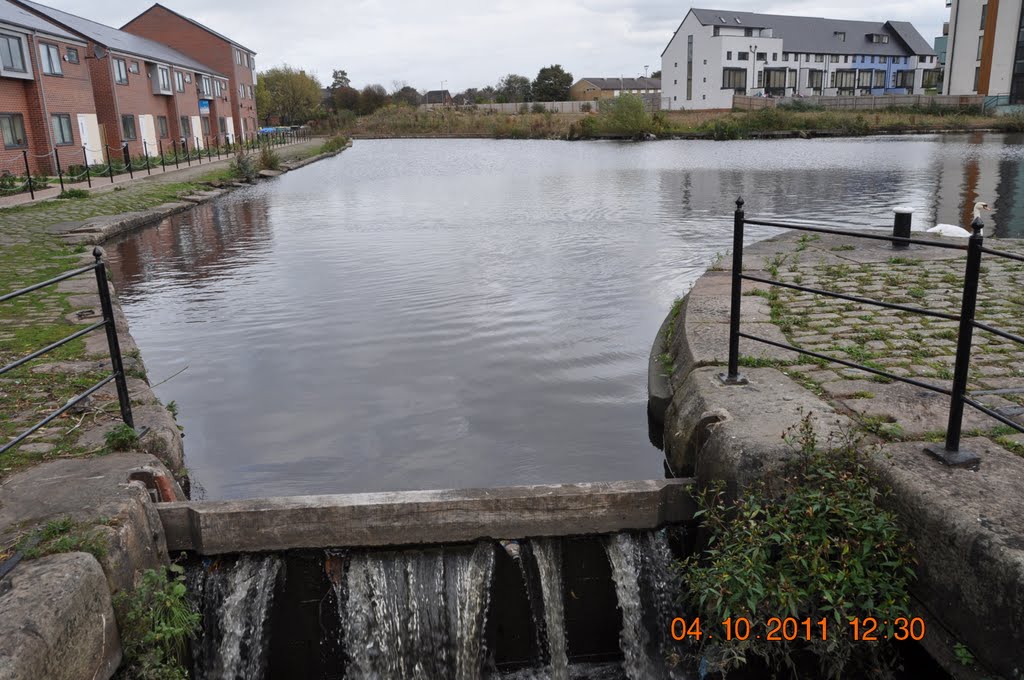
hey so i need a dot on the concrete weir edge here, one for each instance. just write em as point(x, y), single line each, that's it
point(968, 538)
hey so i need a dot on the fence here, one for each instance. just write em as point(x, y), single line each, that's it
point(652, 101)
point(863, 103)
point(70, 165)
point(949, 452)
point(117, 376)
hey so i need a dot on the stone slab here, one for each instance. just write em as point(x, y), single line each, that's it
point(917, 411)
point(56, 621)
point(89, 491)
point(968, 533)
point(424, 517)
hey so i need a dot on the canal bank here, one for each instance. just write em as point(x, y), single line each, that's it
point(70, 487)
point(964, 524)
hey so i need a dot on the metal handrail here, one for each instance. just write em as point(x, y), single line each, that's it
point(949, 452)
point(117, 375)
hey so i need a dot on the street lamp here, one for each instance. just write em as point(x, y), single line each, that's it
point(441, 93)
point(753, 61)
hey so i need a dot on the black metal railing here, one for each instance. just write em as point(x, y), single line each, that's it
point(949, 452)
point(117, 375)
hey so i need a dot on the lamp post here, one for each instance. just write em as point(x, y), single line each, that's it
point(441, 93)
point(753, 70)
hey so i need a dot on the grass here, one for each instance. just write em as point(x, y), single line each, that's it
point(63, 535)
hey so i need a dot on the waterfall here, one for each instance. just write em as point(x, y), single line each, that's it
point(416, 613)
point(547, 553)
point(624, 556)
point(235, 601)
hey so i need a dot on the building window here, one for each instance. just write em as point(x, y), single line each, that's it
point(841, 35)
point(134, 67)
point(72, 55)
point(882, 60)
point(762, 56)
point(864, 79)
point(716, 31)
point(49, 57)
point(11, 55)
point(13, 127)
point(977, 79)
point(186, 127)
point(689, 67)
point(785, 56)
point(873, 59)
point(249, 87)
point(165, 78)
point(834, 58)
point(735, 79)
point(62, 135)
point(128, 126)
point(760, 79)
point(846, 58)
point(206, 86)
point(981, 46)
point(728, 55)
point(748, 32)
point(984, 17)
point(120, 72)
point(238, 56)
point(819, 58)
point(905, 79)
point(675, 81)
point(179, 81)
point(879, 38)
point(222, 125)
point(205, 123)
point(775, 56)
point(161, 124)
point(880, 79)
point(743, 56)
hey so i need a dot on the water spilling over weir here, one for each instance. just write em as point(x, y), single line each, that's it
point(549, 608)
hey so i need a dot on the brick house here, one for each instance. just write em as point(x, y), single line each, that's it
point(210, 47)
point(147, 95)
point(46, 98)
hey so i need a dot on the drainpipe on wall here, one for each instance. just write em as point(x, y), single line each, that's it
point(47, 125)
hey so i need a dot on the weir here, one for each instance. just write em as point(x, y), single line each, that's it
point(557, 582)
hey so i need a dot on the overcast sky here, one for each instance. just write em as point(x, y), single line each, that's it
point(468, 43)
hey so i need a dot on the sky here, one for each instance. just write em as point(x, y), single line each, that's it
point(469, 43)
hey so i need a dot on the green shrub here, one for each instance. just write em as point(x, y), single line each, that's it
point(63, 535)
point(156, 621)
point(335, 143)
point(74, 193)
point(1013, 122)
point(723, 129)
point(538, 107)
point(269, 159)
point(585, 107)
point(524, 108)
point(244, 167)
point(811, 544)
point(624, 115)
point(800, 105)
point(122, 438)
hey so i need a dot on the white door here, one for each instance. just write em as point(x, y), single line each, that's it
point(197, 134)
point(147, 133)
point(87, 126)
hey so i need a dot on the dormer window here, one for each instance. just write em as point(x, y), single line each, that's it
point(880, 38)
point(840, 35)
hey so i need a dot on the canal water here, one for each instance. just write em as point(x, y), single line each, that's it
point(418, 314)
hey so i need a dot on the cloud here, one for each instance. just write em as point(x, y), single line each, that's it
point(466, 43)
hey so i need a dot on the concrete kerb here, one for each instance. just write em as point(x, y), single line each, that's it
point(964, 524)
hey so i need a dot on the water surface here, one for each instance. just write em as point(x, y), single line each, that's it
point(422, 314)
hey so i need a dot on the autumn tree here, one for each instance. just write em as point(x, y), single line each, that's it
point(371, 98)
point(552, 84)
point(344, 99)
point(292, 95)
point(406, 95)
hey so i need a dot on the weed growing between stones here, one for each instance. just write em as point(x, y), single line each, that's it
point(74, 193)
point(63, 535)
point(809, 543)
point(156, 622)
point(122, 438)
point(243, 167)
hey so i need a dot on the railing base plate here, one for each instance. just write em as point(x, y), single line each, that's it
point(959, 458)
point(737, 379)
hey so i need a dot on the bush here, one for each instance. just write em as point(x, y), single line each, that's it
point(269, 159)
point(1013, 122)
point(122, 438)
point(155, 622)
point(817, 546)
point(723, 129)
point(74, 193)
point(624, 115)
point(243, 167)
point(335, 143)
point(800, 105)
point(538, 107)
point(585, 107)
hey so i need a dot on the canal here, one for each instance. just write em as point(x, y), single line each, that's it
point(418, 314)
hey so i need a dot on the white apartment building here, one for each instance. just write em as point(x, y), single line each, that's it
point(715, 54)
point(985, 51)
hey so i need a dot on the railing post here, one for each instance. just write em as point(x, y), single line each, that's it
point(88, 170)
point(163, 161)
point(28, 175)
point(199, 152)
point(60, 172)
point(110, 164)
point(174, 145)
point(950, 452)
point(145, 152)
point(127, 155)
point(733, 377)
point(115, 347)
point(188, 154)
point(901, 226)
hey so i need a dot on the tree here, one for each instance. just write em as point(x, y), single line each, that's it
point(344, 99)
point(292, 95)
point(656, 75)
point(339, 79)
point(371, 98)
point(552, 84)
point(513, 88)
point(406, 95)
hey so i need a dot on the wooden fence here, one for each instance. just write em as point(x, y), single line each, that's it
point(865, 102)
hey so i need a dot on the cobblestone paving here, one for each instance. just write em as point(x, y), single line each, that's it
point(899, 342)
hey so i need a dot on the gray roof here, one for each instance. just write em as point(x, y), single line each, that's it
point(196, 23)
point(120, 41)
point(16, 16)
point(818, 35)
point(624, 83)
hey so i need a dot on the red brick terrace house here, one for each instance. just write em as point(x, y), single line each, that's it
point(147, 94)
point(210, 47)
point(46, 98)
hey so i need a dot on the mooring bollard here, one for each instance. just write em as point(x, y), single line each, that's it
point(901, 226)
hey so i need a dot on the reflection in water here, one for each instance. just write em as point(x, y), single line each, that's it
point(441, 313)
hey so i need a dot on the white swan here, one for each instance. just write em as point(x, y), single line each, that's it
point(955, 231)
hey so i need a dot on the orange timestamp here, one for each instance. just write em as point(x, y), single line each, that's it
point(787, 629)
